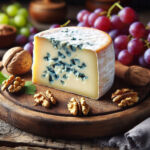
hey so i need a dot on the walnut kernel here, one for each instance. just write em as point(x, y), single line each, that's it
point(12, 84)
point(78, 108)
point(73, 106)
point(84, 106)
point(44, 99)
point(125, 97)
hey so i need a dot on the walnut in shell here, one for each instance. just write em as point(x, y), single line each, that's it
point(17, 61)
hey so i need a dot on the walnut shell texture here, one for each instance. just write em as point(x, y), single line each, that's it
point(17, 61)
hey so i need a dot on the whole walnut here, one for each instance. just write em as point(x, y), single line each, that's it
point(17, 61)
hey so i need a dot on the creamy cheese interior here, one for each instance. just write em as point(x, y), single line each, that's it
point(67, 80)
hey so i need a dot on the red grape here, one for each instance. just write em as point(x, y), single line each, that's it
point(114, 33)
point(147, 56)
point(31, 38)
point(127, 15)
point(148, 38)
point(81, 14)
point(33, 30)
point(135, 46)
point(29, 47)
point(91, 18)
point(125, 58)
point(142, 62)
point(121, 42)
point(116, 22)
point(98, 11)
point(54, 26)
point(102, 23)
point(21, 40)
point(146, 33)
point(85, 19)
point(137, 30)
point(82, 24)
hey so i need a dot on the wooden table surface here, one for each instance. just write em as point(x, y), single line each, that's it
point(12, 138)
point(15, 139)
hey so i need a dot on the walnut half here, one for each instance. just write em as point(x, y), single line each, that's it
point(13, 84)
point(125, 97)
point(78, 108)
point(44, 99)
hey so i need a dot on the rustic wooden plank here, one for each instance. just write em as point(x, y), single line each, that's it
point(38, 148)
point(24, 148)
point(72, 127)
point(10, 135)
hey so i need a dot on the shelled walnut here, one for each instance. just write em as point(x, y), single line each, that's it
point(73, 106)
point(44, 99)
point(85, 108)
point(78, 108)
point(125, 97)
point(13, 84)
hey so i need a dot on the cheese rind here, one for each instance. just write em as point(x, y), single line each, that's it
point(106, 60)
point(74, 64)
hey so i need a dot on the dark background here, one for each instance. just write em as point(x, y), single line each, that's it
point(136, 4)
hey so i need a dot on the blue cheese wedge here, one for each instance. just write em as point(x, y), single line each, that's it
point(79, 60)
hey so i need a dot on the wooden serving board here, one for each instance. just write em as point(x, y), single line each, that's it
point(104, 119)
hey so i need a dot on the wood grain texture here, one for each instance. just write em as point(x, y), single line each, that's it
point(105, 118)
point(37, 148)
point(15, 139)
point(71, 127)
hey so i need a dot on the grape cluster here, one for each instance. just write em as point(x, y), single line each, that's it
point(131, 38)
point(17, 16)
point(133, 48)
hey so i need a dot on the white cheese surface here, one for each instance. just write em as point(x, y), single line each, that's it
point(87, 38)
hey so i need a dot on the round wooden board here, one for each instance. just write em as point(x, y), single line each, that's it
point(104, 119)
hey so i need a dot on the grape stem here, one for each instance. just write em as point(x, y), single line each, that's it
point(147, 44)
point(117, 4)
point(102, 13)
point(65, 24)
point(130, 37)
point(147, 27)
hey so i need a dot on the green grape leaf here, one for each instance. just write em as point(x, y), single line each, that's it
point(30, 88)
point(2, 77)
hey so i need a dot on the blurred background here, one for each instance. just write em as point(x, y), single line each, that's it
point(136, 4)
